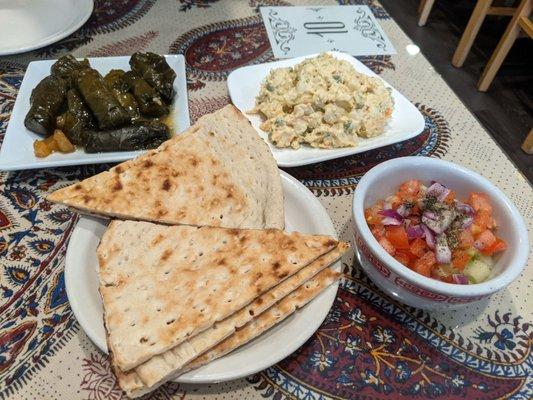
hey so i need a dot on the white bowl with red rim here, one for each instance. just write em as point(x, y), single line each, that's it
point(408, 286)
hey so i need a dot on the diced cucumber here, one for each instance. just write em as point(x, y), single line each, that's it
point(472, 252)
point(485, 259)
point(476, 255)
point(477, 271)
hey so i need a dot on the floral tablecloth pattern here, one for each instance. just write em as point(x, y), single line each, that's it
point(369, 347)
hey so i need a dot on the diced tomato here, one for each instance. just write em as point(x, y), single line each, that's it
point(397, 236)
point(407, 255)
point(409, 190)
point(480, 202)
point(403, 258)
point(484, 240)
point(372, 215)
point(460, 258)
point(378, 231)
point(483, 220)
point(496, 247)
point(450, 198)
point(411, 187)
point(425, 264)
point(418, 247)
point(396, 201)
point(476, 229)
point(466, 239)
point(389, 248)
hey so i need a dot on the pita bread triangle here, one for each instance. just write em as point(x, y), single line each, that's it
point(274, 315)
point(219, 172)
point(160, 368)
point(132, 384)
point(177, 281)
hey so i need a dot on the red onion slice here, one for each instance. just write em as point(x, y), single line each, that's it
point(442, 250)
point(439, 191)
point(430, 215)
point(430, 237)
point(467, 222)
point(460, 279)
point(415, 231)
point(403, 210)
point(391, 217)
point(443, 221)
point(390, 213)
point(391, 221)
point(464, 208)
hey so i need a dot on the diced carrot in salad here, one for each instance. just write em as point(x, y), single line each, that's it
point(428, 229)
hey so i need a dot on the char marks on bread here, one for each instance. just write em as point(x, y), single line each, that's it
point(219, 172)
point(176, 281)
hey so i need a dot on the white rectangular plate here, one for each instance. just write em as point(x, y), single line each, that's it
point(244, 84)
point(17, 150)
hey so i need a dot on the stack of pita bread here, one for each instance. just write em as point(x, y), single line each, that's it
point(195, 262)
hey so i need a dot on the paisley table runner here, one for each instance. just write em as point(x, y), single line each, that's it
point(370, 346)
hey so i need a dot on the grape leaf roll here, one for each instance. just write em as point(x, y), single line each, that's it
point(45, 105)
point(77, 119)
point(148, 135)
point(67, 67)
point(120, 88)
point(154, 69)
point(106, 109)
point(150, 103)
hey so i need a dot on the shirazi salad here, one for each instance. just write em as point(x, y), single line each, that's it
point(433, 233)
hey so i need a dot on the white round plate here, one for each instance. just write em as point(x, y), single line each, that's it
point(31, 24)
point(303, 213)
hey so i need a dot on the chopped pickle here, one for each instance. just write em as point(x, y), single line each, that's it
point(41, 149)
point(63, 144)
point(57, 142)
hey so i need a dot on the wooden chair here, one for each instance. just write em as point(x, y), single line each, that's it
point(424, 8)
point(481, 10)
point(519, 22)
point(527, 146)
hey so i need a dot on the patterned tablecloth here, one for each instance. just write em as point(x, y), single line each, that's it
point(370, 346)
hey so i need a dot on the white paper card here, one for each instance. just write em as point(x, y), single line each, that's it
point(298, 31)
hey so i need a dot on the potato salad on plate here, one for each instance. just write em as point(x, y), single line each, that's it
point(322, 102)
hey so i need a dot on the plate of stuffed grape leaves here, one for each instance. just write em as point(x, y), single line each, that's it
point(74, 111)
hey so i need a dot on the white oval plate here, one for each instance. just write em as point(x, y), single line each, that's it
point(17, 149)
point(244, 84)
point(31, 24)
point(303, 213)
